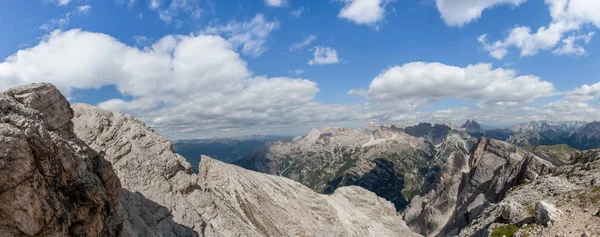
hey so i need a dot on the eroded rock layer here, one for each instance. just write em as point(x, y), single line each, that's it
point(51, 183)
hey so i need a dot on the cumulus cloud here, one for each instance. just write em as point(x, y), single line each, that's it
point(275, 3)
point(364, 12)
point(251, 35)
point(305, 42)
point(183, 95)
point(170, 86)
point(567, 16)
point(570, 48)
point(420, 81)
point(584, 93)
point(324, 56)
point(64, 19)
point(461, 12)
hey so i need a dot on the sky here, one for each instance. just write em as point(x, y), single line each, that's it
point(208, 68)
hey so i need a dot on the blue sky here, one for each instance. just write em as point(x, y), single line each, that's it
point(372, 60)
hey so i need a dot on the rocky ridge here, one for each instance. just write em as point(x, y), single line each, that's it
point(222, 200)
point(469, 184)
point(565, 202)
point(51, 183)
point(382, 159)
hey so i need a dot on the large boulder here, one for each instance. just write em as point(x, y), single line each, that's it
point(546, 212)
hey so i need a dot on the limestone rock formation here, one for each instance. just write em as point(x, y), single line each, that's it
point(164, 198)
point(473, 128)
point(467, 187)
point(574, 189)
point(432, 210)
point(380, 158)
point(51, 183)
point(546, 212)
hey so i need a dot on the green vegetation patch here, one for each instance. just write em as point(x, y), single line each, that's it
point(596, 189)
point(518, 187)
point(505, 230)
point(531, 209)
point(560, 151)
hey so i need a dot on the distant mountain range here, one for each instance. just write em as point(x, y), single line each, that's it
point(577, 134)
point(227, 150)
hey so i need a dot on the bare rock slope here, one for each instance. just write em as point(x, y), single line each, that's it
point(222, 200)
point(467, 186)
point(51, 183)
point(382, 159)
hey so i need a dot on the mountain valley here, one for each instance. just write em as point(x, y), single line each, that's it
point(78, 170)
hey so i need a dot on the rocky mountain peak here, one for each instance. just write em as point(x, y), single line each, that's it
point(471, 126)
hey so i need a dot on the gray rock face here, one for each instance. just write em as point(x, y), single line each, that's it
point(545, 213)
point(432, 210)
point(164, 198)
point(473, 127)
point(51, 183)
point(462, 194)
point(572, 187)
point(381, 159)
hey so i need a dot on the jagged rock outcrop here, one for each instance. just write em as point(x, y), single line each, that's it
point(164, 197)
point(381, 159)
point(51, 183)
point(473, 128)
point(574, 189)
point(466, 188)
point(428, 213)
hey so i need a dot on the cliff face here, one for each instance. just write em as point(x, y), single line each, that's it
point(51, 183)
point(468, 186)
point(164, 197)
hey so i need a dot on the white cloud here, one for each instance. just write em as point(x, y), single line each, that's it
point(570, 48)
point(141, 41)
point(172, 12)
point(305, 42)
point(275, 3)
point(171, 87)
point(176, 7)
point(130, 3)
point(298, 12)
point(323, 56)
point(297, 72)
point(64, 19)
point(365, 12)
point(567, 16)
point(86, 9)
point(154, 4)
point(183, 95)
point(251, 36)
point(60, 2)
point(461, 12)
point(418, 82)
point(584, 93)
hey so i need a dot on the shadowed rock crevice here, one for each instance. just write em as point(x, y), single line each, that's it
point(383, 180)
